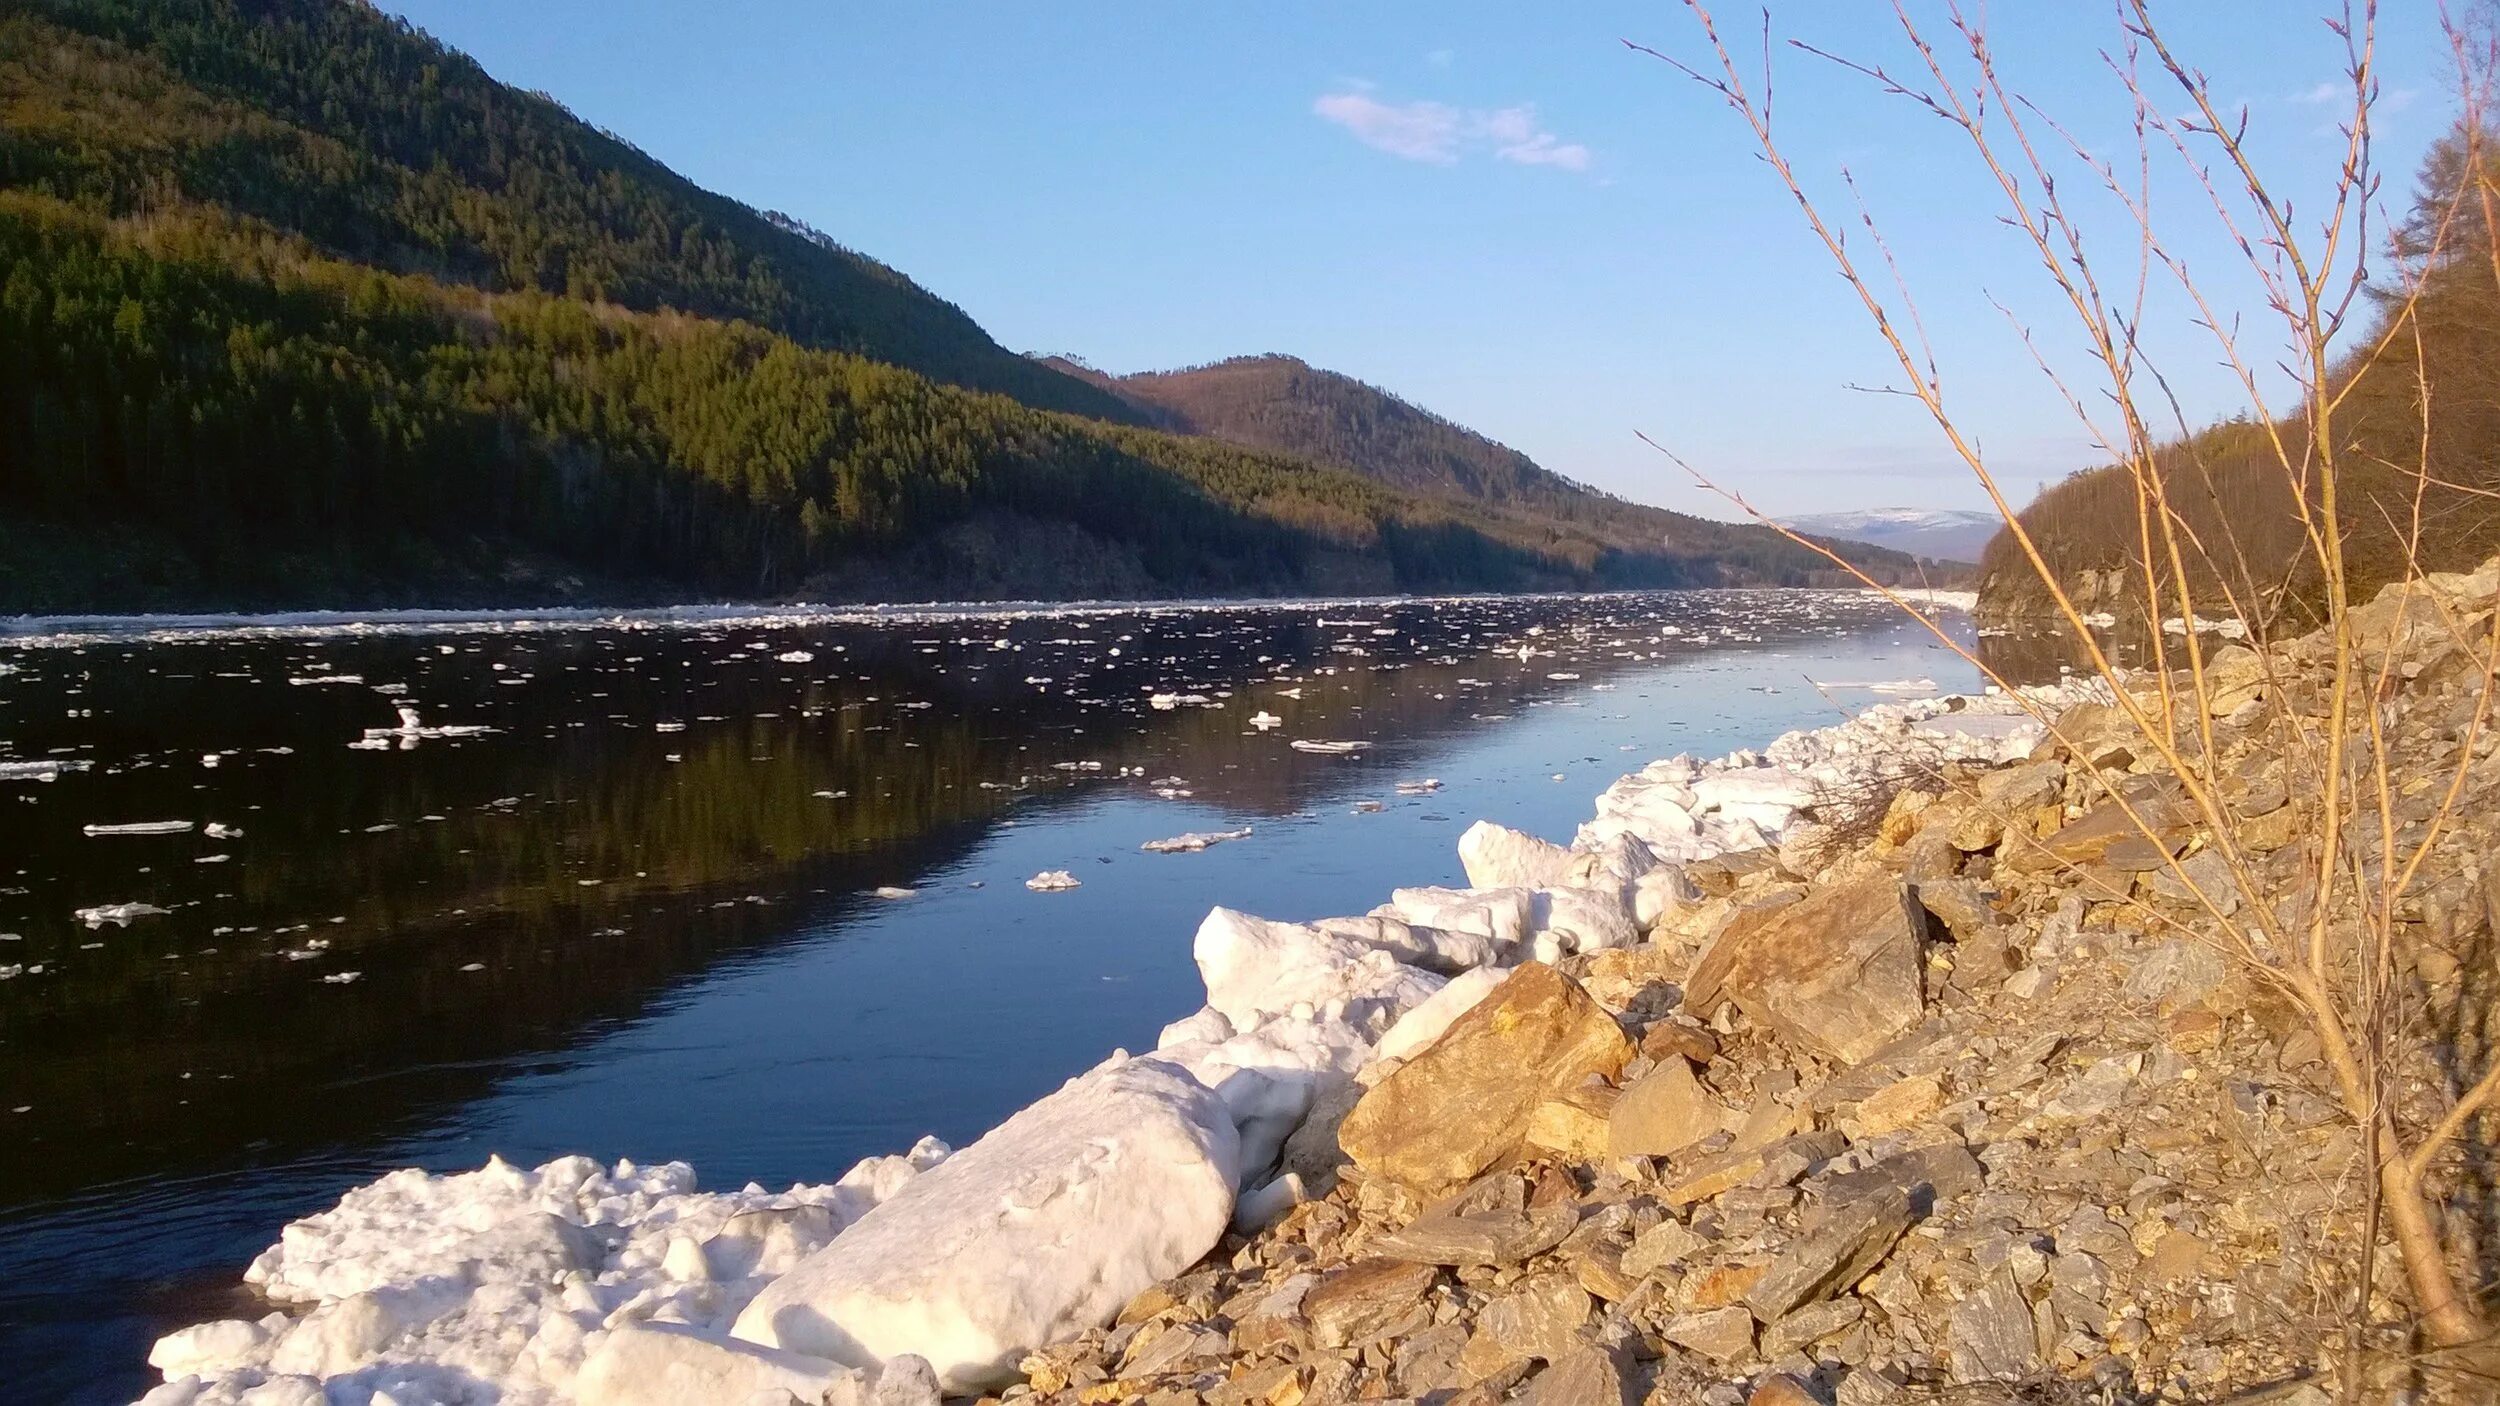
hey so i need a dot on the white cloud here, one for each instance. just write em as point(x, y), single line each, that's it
point(1443, 135)
point(1416, 131)
point(1517, 137)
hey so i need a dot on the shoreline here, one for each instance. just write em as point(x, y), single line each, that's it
point(73, 631)
point(1295, 1014)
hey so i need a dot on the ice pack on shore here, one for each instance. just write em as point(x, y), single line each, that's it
point(1047, 1225)
point(423, 1286)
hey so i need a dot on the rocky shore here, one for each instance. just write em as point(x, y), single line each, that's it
point(1891, 1063)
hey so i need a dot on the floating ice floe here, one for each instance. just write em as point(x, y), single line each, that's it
point(893, 891)
point(45, 770)
point(1425, 787)
point(143, 827)
point(1329, 749)
point(412, 729)
point(1052, 881)
point(118, 914)
point(1264, 720)
point(1194, 841)
point(794, 656)
point(2227, 627)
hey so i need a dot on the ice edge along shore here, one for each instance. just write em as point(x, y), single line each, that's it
point(936, 1270)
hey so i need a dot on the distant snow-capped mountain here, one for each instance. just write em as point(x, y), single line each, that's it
point(1945, 534)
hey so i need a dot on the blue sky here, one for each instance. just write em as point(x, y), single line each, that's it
point(1495, 210)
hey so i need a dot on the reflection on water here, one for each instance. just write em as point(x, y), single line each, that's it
point(615, 889)
point(2040, 651)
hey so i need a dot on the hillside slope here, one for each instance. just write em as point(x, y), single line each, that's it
point(2416, 421)
point(378, 144)
point(1283, 403)
point(299, 308)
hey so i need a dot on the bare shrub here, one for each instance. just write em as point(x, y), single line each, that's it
point(2371, 473)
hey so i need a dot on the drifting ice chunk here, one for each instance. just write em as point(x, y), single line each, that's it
point(143, 827)
point(1043, 1228)
point(1330, 749)
point(118, 914)
point(38, 771)
point(1052, 881)
point(1263, 720)
point(1194, 841)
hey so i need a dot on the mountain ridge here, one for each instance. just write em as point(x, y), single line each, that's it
point(1278, 401)
point(299, 307)
point(1956, 535)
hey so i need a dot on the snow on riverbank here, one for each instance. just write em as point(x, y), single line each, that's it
point(575, 1283)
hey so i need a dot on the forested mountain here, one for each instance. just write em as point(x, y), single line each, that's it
point(2417, 413)
point(1285, 404)
point(298, 307)
point(374, 143)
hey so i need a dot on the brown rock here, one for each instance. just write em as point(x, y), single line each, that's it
point(1360, 1302)
point(1736, 1166)
point(1721, 1334)
point(1585, 1376)
point(2088, 840)
point(1274, 1316)
point(1780, 1389)
point(1992, 1336)
point(2177, 1255)
point(1840, 972)
point(1280, 1385)
point(1428, 1361)
point(1669, 1039)
point(1901, 1104)
point(1719, 1286)
point(1962, 905)
point(1494, 1238)
point(1574, 1123)
point(1663, 1112)
point(1601, 1272)
point(1541, 1317)
point(1843, 1249)
point(1464, 1102)
point(1810, 1325)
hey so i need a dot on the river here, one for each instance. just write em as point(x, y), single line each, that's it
point(742, 889)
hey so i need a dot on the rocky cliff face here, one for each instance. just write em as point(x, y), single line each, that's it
point(1967, 1103)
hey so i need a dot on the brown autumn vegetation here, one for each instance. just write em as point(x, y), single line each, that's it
point(2418, 407)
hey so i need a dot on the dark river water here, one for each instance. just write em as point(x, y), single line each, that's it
point(632, 888)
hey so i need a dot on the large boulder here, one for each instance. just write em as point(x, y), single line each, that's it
point(1464, 1101)
point(1838, 972)
point(1040, 1230)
